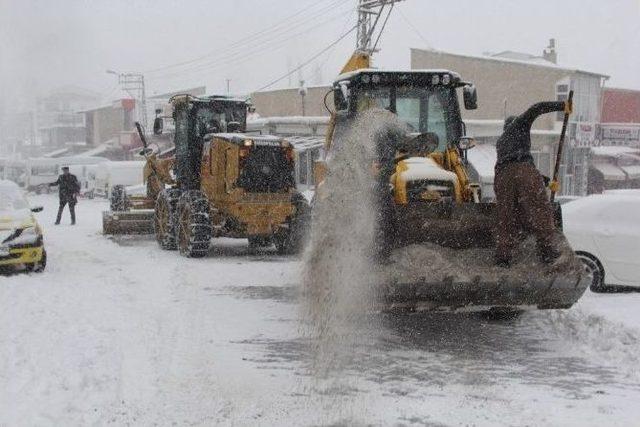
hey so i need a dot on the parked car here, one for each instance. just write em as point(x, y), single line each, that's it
point(604, 231)
point(22, 243)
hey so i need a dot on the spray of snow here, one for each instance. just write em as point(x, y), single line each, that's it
point(339, 280)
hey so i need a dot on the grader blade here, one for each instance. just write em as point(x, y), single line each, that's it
point(128, 222)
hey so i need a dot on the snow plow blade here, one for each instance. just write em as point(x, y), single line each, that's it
point(443, 259)
point(128, 222)
point(557, 292)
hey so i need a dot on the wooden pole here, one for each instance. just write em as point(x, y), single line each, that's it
point(563, 133)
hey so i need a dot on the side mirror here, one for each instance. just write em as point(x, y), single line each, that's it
point(234, 127)
point(37, 209)
point(470, 95)
point(466, 143)
point(158, 124)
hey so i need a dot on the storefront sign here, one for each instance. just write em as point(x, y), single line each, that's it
point(620, 133)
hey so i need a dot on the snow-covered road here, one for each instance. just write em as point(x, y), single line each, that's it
point(119, 332)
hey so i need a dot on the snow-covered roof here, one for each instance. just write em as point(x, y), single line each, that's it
point(483, 158)
point(56, 153)
point(69, 160)
point(195, 91)
point(94, 152)
point(123, 164)
point(521, 56)
point(545, 64)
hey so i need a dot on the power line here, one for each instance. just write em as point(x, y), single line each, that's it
point(272, 29)
point(308, 61)
point(239, 57)
point(256, 47)
point(415, 29)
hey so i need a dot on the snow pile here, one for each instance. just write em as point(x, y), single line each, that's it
point(413, 263)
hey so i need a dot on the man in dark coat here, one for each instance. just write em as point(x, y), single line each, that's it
point(522, 200)
point(68, 189)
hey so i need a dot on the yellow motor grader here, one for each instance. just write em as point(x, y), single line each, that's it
point(427, 201)
point(134, 213)
point(228, 183)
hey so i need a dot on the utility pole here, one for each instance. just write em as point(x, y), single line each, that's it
point(369, 14)
point(133, 84)
point(228, 86)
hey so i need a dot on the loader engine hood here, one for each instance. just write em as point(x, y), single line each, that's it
point(421, 179)
point(423, 168)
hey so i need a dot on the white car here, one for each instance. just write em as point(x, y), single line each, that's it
point(604, 231)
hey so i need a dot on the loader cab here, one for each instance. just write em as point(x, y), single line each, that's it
point(426, 101)
point(195, 119)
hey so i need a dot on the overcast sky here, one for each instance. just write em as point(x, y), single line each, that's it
point(45, 44)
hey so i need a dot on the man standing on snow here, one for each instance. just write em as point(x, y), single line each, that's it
point(520, 191)
point(68, 189)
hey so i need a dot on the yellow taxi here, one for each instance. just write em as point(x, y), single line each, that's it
point(21, 240)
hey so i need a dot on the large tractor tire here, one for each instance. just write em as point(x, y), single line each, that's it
point(291, 240)
point(118, 199)
point(165, 218)
point(194, 224)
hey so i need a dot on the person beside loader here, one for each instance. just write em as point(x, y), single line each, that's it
point(68, 189)
point(522, 200)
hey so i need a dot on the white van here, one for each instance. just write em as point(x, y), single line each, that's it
point(42, 171)
point(124, 173)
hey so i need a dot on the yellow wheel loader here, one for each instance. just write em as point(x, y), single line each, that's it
point(228, 183)
point(434, 236)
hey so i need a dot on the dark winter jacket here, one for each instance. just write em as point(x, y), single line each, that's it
point(68, 186)
point(514, 146)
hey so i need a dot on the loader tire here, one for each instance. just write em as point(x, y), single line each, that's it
point(291, 240)
point(165, 218)
point(118, 199)
point(194, 224)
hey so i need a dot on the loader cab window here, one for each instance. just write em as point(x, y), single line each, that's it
point(428, 110)
point(423, 109)
point(374, 98)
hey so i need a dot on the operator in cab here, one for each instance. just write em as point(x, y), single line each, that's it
point(522, 201)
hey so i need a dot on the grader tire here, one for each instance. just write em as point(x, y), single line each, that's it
point(194, 224)
point(118, 200)
point(165, 218)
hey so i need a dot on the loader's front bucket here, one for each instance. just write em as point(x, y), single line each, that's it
point(443, 259)
point(128, 222)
